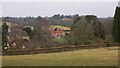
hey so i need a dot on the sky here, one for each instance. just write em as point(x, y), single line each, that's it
point(49, 8)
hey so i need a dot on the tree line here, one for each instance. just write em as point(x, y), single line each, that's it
point(84, 29)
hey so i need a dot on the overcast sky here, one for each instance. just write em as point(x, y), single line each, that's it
point(20, 9)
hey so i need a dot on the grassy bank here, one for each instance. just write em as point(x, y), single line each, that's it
point(90, 57)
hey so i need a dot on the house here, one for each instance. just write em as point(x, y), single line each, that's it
point(12, 42)
point(58, 32)
point(66, 19)
point(17, 38)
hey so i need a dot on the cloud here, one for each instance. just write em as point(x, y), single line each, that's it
point(60, 0)
point(51, 8)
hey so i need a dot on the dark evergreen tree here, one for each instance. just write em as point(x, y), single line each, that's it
point(4, 34)
point(116, 25)
point(30, 32)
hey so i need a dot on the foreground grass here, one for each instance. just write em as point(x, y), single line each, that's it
point(90, 57)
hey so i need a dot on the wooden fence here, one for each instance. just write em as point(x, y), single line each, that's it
point(52, 49)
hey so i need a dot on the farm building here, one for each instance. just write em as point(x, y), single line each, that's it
point(60, 31)
point(17, 38)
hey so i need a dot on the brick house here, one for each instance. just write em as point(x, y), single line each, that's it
point(57, 32)
point(14, 35)
point(11, 42)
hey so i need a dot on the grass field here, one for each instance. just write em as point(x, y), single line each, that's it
point(58, 26)
point(59, 40)
point(88, 57)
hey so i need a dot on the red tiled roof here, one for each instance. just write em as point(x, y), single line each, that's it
point(57, 32)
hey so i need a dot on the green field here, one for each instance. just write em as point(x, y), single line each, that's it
point(59, 40)
point(88, 57)
point(58, 26)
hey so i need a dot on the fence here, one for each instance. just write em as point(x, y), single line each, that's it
point(52, 49)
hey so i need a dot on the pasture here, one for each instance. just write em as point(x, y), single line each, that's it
point(88, 57)
point(58, 26)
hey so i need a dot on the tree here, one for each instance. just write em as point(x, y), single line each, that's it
point(108, 25)
point(57, 16)
point(81, 32)
point(99, 30)
point(30, 32)
point(42, 35)
point(4, 34)
point(116, 25)
point(76, 19)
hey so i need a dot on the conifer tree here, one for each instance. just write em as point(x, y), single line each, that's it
point(116, 25)
point(4, 34)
